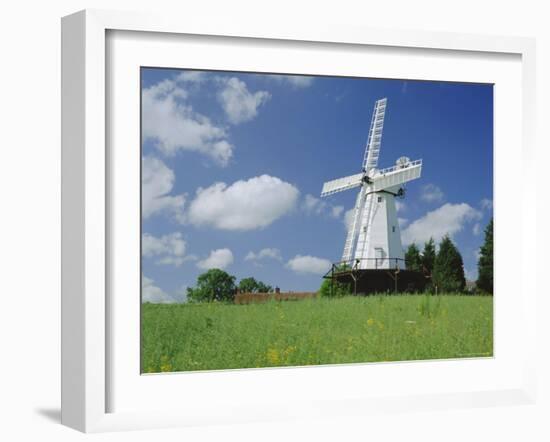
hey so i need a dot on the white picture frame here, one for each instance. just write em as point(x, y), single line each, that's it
point(86, 203)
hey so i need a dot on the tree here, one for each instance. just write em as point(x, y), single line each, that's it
point(413, 260)
point(428, 261)
point(448, 271)
point(264, 288)
point(485, 263)
point(250, 285)
point(337, 290)
point(213, 285)
point(428, 257)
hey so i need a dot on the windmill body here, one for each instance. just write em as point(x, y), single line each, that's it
point(374, 240)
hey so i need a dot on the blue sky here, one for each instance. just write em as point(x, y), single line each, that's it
point(233, 165)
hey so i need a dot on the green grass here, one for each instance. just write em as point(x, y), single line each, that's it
point(182, 337)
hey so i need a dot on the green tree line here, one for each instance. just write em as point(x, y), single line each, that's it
point(445, 268)
point(218, 285)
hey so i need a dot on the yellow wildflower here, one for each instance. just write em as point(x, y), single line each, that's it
point(165, 364)
point(273, 356)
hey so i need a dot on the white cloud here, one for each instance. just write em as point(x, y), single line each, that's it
point(218, 259)
point(267, 253)
point(238, 102)
point(157, 183)
point(400, 206)
point(169, 249)
point(309, 264)
point(297, 81)
point(152, 293)
point(313, 204)
point(316, 206)
point(244, 205)
point(175, 126)
point(180, 295)
point(431, 193)
point(476, 230)
point(477, 254)
point(471, 275)
point(336, 211)
point(486, 204)
point(447, 219)
point(192, 77)
point(402, 222)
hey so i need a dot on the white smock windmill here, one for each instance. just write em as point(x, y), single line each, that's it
point(374, 240)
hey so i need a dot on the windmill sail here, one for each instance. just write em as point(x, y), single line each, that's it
point(397, 175)
point(354, 226)
point(372, 150)
point(370, 161)
point(365, 227)
point(341, 184)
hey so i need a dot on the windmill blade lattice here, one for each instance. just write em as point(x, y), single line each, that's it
point(354, 227)
point(397, 175)
point(372, 150)
point(341, 184)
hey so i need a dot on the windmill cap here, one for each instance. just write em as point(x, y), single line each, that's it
point(402, 161)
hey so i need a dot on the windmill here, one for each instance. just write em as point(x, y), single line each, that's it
point(373, 240)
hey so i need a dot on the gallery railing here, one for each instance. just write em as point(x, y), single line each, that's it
point(367, 263)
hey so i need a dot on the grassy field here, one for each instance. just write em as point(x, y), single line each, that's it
point(182, 337)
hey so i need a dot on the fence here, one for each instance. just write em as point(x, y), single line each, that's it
point(253, 298)
point(367, 263)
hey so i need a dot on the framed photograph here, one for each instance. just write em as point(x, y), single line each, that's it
point(263, 223)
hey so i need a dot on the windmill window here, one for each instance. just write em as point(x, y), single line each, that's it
point(379, 199)
point(393, 229)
